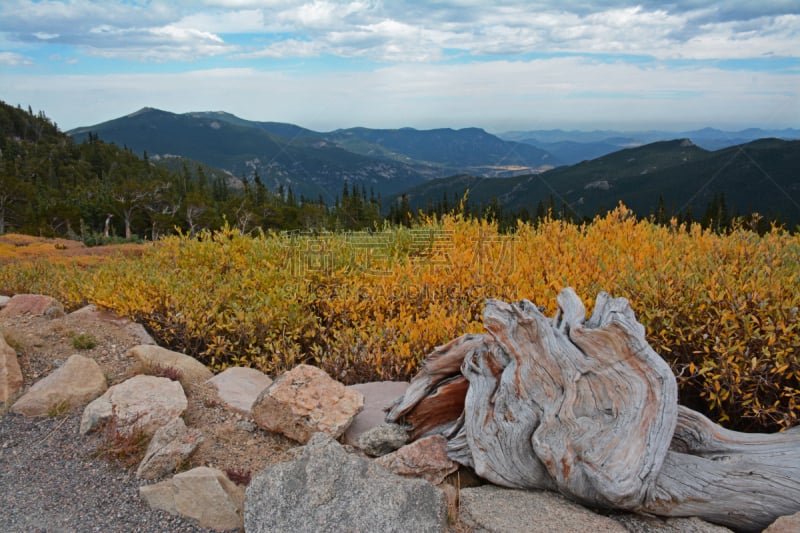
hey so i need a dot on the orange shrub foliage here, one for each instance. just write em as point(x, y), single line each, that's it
point(722, 309)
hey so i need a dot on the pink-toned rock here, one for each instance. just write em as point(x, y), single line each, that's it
point(191, 370)
point(305, 401)
point(32, 304)
point(74, 384)
point(425, 458)
point(10, 373)
point(204, 495)
point(785, 524)
point(378, 396)
point(238, 387)
point(170, 446)
point(143, 403)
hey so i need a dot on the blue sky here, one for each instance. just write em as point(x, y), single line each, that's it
point(323, 64)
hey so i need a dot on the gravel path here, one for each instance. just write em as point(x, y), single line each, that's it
point(50, 483)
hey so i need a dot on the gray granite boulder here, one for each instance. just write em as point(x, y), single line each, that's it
point(497, 510)
point(382, 439)
point(655, 524)
point(326, 489)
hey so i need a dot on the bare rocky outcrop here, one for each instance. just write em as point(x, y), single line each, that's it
point(74, 384)
point(239, 387)
point(304, 401)
point(204, 495)
point(141, 403)
point(327, 489)
point(10, 373)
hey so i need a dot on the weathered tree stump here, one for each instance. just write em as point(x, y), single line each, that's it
point(587, 408)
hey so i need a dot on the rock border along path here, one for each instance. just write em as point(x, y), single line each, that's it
point(51, 482)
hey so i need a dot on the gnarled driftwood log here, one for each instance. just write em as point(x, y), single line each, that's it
point(587, 408)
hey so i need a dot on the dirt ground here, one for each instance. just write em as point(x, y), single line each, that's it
point(231, 443)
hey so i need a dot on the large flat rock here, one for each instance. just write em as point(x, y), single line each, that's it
point(141, 403)
point(238, 387)
point(204, 495)
point(378, 396)
point(497, 510)
point(74, 384)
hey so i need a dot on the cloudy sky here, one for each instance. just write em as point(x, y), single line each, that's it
point(325, 64)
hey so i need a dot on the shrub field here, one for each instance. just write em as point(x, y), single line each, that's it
point(722, 309)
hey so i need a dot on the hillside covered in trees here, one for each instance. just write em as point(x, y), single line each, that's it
point(54, 185)
point(94, 191)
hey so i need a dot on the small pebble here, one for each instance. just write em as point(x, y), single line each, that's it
point(245, 425)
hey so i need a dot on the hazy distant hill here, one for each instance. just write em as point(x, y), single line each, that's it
point(575, 146)
point(757, 176)
point(436, 153)
point(466, 150)
point(316, 163)
point(312, 167)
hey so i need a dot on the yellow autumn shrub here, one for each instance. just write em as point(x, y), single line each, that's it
point(721, 309)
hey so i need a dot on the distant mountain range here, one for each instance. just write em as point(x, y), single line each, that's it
point(760, 176)
point(318, 164)
point(587, 172)
point(572, 147)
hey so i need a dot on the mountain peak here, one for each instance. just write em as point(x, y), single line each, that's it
point(144, 110)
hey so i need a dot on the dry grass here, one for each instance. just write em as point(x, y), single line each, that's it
point(154, 369)
point(83, 341)
point(125, 449)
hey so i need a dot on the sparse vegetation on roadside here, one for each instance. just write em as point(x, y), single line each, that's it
point(123, 448)
point(83, 341)
point(240, 477)
point(161, 371)
point(59, 409)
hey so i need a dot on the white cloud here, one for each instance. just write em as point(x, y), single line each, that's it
point(239, 21)
point(497, 95)
point(401, 31)
point(11, 59)
point(288, 48)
